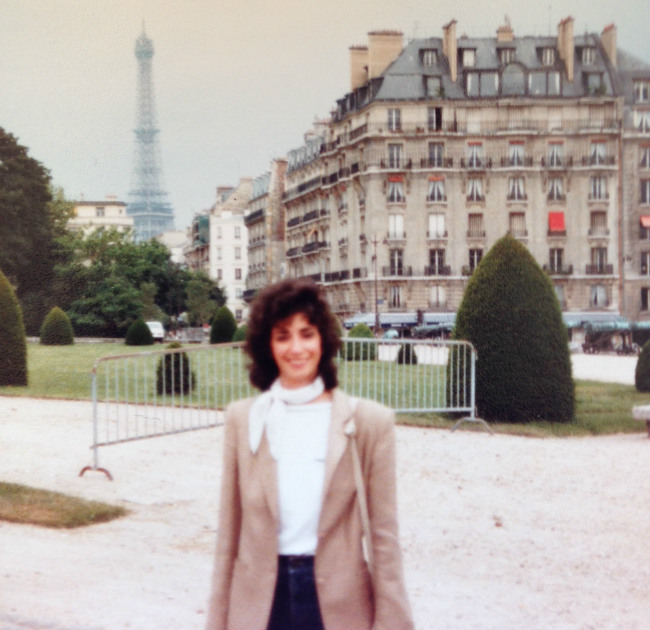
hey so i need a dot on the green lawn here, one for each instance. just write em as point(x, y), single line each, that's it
point(602, 408)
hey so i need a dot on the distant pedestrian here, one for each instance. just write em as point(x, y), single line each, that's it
point(290, 543)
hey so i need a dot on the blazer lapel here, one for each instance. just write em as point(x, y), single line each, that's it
point(338, 440)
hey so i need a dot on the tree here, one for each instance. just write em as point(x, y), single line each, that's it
point(200, 305)
point(223, 326)
point(57, 329)
point(642, 370)
point(13, 358)
point(511, 315)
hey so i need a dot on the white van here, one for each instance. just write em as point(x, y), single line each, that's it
point(157, 331)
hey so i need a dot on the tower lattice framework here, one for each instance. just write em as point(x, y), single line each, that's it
point(148, 204)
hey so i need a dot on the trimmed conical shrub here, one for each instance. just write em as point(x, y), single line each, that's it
point(511, 314)
point(13, 358)
point(642, 371)
point(139, 334)
point(57, 329)
point(240, 333)
point(352, 351)
point(223, 326)
point(173, 372)
point(406, 355)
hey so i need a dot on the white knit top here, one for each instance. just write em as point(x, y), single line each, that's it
point(302, 448)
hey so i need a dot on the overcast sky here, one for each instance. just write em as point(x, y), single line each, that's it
point(236, 82)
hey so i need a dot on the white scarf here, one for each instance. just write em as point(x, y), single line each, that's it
point(270, 406)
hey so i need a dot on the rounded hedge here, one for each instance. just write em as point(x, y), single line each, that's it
point(223, 326)
point(13, 358)
point(139, 334)
point(511, 314)
point(173, 372)
point(406, 355)
point(351, 351)
point(56, 329)
point(240, 333)
point(642, 370)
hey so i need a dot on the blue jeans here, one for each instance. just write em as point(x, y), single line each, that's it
point(295, 604)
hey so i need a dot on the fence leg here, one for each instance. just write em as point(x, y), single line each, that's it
point(472, 417)
point(95, 466)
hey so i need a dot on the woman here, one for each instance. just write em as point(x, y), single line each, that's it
point(289, 552)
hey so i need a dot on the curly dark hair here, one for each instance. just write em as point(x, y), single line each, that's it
point(277, 302)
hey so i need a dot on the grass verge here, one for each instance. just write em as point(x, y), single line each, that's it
point(22, 504)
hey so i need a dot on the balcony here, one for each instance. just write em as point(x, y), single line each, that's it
point(396, 236)
point(437, 270)
point(476, 163)
point(594, 160)
point(598, 233)
point(314, 246)
point(310, 216)
point(253, 217)
point(437, 162)
point(436, 235)
point(559, 163)
point(517, 197)
point(558, 270)
point(397, 271)
point(512, 162)
point(599, 270)
point(475, 233)
point(396, 164)
point(596, 197)
point(293, 222)
point(293, 252)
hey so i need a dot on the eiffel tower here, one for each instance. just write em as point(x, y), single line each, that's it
point(148, 205)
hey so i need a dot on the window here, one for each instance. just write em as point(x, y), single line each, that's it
point(434, 118)
point(475, 256)
point(555, 151)
point(436, 262)
point(394, 119)
point(99, 211)
point(395, 226)
point(644, 298)
point(239, 293)
point(237, 273)
point(642, 121)
point(598, 187)
point(475, 189)
point(548, 56)
point(429, 56)
point(469, 57)
point(436, 190)
point(396, 297)
point(476, 226)
point(516, 189)
point(559, 292)
point(598, 296)
point(537, 83)
point(598, 153)
point(237, 231)
point(516, 154)
point(396, 262)
point(642, 91)
point(434, 86)
point(644, 233)
point(489, 83)
point(555, 259)
point(436, 151)
point(237, 253)
point(599, 224)
point(437, 296)
point(394, 156)
point(395, 191)
point(645, 191)
point(595, 83)
point(437, 226)
point(218, 231)
point(517, 222)
point(513, 81)
point(472, 85)
point(644, 162)
point(506, 55)
point(219, 274)
point(599, 259)
point(553, 88)
point(645, 263)
point(475, 155)
point(555, 189)
point(218, 253)
point(588, 55)
point(238, 314)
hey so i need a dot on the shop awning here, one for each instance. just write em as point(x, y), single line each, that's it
point(556, 222)
point(645, 220)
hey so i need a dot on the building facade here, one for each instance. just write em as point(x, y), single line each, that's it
point(446, 144)
point(108, 214)
point(228, 243)
point(265, 223)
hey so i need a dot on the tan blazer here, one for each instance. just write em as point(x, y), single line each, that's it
point(246, 564)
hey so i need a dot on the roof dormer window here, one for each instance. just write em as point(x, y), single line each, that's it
point(506, 55)
point(642, 91)
point(548, 56)
point(429, 56)
point(588, 55)
point(468, 57)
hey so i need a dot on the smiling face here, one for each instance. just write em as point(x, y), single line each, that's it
point(297, 350)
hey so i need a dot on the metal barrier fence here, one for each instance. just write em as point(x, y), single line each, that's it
point(148, 394)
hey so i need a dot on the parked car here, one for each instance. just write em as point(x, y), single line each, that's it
point(157, 330)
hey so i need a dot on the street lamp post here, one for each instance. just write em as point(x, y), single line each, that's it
point(374, 242)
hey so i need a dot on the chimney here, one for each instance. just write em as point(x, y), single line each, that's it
point(358, 66)
point(505, 34)
point(565, 46)
point(383, 48)
point(450, 48)
point(608, 39)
